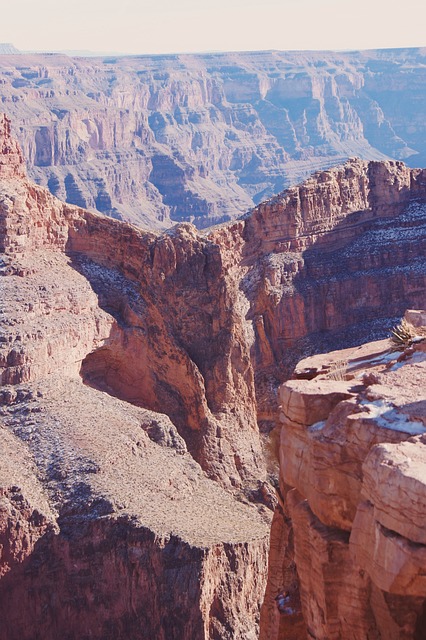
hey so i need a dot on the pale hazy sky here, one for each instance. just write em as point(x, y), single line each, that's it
point(161, 26)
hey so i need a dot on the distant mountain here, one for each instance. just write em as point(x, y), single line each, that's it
point(87, 53)
point(6, 48)
point(203, 138)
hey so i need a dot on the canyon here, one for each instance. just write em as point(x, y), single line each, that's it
point(139, 379)
point(203, 138)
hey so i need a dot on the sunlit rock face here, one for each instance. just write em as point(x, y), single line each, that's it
point(353, 492)
point(203, 138)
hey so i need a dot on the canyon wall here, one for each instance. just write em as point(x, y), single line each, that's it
point(136, 368)
point(353, 495)
point(111, 523)
point(202, 138)
point(331, 263)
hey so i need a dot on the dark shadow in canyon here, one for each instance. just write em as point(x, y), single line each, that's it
point(103, 579)
point(126, 365)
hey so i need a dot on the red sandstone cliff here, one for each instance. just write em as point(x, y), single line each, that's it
point(134, 367)
point(108, 526)
point(331, 260)
point(353, 487)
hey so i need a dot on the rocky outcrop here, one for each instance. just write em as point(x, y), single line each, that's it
point(95, 541)
point(328, 262)
point(11, 159)
point(202, 138)
point(124, 352)
point(127, 551)
point(352, 471)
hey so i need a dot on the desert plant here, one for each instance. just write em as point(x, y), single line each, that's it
point(338, 370)
point(403, 334)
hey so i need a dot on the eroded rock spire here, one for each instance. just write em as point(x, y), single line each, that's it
point(11, 159)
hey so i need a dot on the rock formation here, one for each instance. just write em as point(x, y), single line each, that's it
point(135, 368)
point(202, 138)
point(353, 486)
point(332, 262)
point(108, 527)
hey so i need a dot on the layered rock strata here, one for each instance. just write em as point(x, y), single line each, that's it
point(114, 532)
point(332, 262)
point(108, 526)
point(134, 369)
point(352, 462)
point(203, 138)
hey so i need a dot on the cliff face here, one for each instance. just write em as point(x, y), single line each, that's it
point(109, 528)
point(352, 479)
point(129, 550)
point(134, 369)
point(329, 261)
point(203, 138)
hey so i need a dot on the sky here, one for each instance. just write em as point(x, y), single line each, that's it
point(165, 26)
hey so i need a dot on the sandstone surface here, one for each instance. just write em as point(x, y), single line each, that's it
point(203, 138)
point(135, 368)
point(356, 462)
point(137, 542)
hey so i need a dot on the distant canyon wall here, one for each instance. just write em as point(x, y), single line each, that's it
point(203, 138)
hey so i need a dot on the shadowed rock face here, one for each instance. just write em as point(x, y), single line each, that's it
point(202, 138)
point(134, 368)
